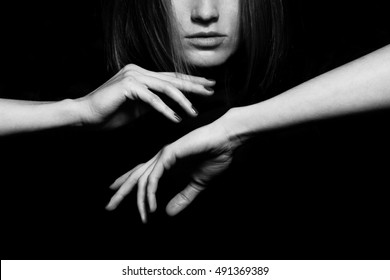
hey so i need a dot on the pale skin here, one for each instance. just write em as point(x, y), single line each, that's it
point(208, 29)
point(209, 33)
point(102, 107)
point(359, 86)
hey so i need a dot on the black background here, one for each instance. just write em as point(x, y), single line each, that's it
point(312, 192)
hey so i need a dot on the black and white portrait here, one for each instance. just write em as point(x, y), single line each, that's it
point(194, 129)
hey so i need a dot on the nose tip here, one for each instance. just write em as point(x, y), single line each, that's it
point(204, 12)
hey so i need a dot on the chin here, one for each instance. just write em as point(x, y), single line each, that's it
point(207, 59)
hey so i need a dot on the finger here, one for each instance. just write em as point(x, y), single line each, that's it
point(119, 181)
point(141, 200)
point(188, 85)
point(124, 190)
point(153, 100)
point(141, 193)
point(164, 162)
point(127, 186)
point(167, 75)
point(195, 79)
point(183, 199)
point(169, 90)
point(176, 76)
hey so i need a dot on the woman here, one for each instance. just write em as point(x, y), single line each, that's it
point(220, 40)
point(144, 53)
point(283, 203)
point(232, 41)
point(245, 61)
point(146, 175)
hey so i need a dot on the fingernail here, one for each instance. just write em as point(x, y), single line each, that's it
point(177, 117)
point(211, 80)
point(209, 89)
point(194, 110)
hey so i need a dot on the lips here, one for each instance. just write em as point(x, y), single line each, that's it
point(205, 40)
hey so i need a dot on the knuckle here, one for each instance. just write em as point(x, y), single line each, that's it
point(140, 203)
point(169, 161)
point(133, 180)
point(168, 87)
point(166, 151)
point(153, 99)
point(198, 87)
point(198, 183)
point(130, 67)
point(127, 81)
point(138, 166)
point(197, 186)
point(182, 83)
point(142, 183)
point(184, 200)
point(131, 70)
point(119, 196)
point(151, 192)
point(171, 153)
point(127, 74)
point(152, 181)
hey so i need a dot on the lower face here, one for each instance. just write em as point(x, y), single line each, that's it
point(208, 30)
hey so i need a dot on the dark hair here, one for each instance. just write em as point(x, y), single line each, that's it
point(143, 32)
point(262, 29)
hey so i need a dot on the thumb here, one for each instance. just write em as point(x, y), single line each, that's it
point(183, 199)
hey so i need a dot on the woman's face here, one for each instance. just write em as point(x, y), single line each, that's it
point(208, 30)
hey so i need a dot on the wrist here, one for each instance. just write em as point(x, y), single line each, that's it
point(243, 123)
point(73, 110)
point(82, 111)
point(230, 122)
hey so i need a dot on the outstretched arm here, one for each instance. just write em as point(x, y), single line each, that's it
point(358, 86)
point(361, 85)
point(26, 116)
point(104, 105)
